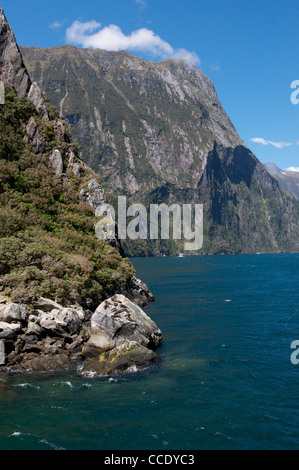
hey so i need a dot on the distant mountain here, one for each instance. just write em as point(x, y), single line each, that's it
point(157, 132)
point(289, 180)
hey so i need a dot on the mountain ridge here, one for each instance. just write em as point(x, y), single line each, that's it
point(157, 131)
point(288, 180)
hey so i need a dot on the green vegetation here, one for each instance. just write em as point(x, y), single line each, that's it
point(47, 242)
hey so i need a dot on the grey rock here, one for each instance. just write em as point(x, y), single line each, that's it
point(16, 327)
point(95, 197)
point(35, 96)
point(120, 319)
point(56, 162)
point(63, 321)
point(2, 353)
point(46, 305)
point(8, 335)
point(75, 166)
point(12, 68)
point(34, 137)
point(12, 312)
point(94, 186)
point(34, 328)
point(60, 131)
point(100, 340)
point(9, 331)
point(138, 292)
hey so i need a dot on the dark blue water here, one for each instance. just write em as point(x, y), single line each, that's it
point(226, 381)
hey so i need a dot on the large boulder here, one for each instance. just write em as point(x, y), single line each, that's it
point(9, 331)
point(10, 312)
point(62, 321)
point(46, 305)
point(56, 162)
point(125, 357)
point(122, 336)
point(118, 319)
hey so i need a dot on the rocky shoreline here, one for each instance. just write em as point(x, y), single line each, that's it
point(47, 337)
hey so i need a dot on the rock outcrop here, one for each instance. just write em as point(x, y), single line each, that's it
point(123, 334)
point(138, 292)
point(12, 68)
point(121, 320)
point(46, 337)
point(126, 357)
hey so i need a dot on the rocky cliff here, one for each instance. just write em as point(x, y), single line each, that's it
point(140, 124)
point(54, 272)
point(157, 132)
point(288, 180)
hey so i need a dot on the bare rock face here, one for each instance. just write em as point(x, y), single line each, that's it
point(95, 195)
point(34, 138)
point(138, 292)
point(74, 165)
point(118, 320)
point(12, 68)
point(46, 305)
point(56, 162)
point(12, 312)
point(35, 96)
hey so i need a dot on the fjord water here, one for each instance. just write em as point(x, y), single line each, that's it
point(226, 380)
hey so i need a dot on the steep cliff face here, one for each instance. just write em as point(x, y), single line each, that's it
point(13, 71)
point(157, 132)
point(140, 124)
point(288, 180)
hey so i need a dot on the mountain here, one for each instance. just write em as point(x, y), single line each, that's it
point(156, 132)
point(48, 246)
point(288, 180)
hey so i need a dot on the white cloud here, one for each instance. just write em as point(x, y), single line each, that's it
point(293, 169)
point(279, 145)
point(55, 25)
point(111, 38)
point(260, 140)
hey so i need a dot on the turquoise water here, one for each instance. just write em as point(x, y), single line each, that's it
point(226, 381)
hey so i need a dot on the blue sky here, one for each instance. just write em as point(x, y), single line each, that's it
point(249, 48)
